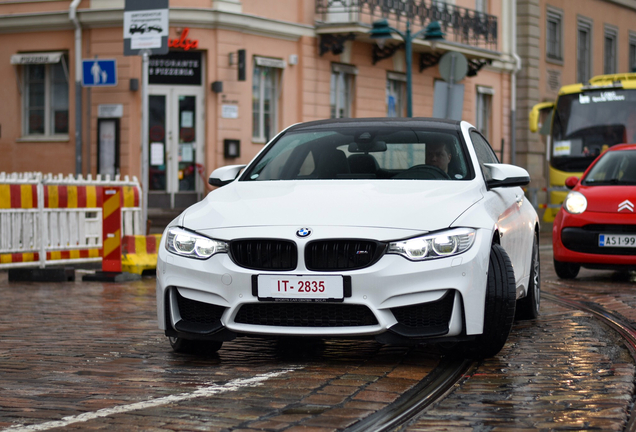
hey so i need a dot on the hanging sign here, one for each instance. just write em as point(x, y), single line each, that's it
point(145, 26)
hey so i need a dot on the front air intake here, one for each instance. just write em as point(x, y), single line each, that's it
point(264, 254)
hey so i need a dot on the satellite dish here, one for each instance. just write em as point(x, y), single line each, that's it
point(453, 65)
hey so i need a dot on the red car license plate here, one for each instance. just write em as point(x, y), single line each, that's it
point(617, 240)
point(300, 288)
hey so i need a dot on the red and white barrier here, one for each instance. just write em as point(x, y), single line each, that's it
point(58, 220)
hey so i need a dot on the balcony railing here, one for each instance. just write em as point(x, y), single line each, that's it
point(461, 25)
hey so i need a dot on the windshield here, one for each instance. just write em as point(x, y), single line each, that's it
point(363, 152)
point(614, 168)
point(585, 124)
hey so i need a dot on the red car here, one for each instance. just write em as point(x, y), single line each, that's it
point(596, 226)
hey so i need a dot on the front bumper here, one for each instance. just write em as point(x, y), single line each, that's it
point(215, 299)
point(576, 239)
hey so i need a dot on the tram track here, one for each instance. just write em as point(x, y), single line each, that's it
point(430, 390)
point(613, 320)
point(449, 372)
point(617, 322)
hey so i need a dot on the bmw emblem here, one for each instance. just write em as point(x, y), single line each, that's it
point(303, 232)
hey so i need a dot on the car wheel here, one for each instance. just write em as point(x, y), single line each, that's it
point(499, 311)
point(528, 307)
point(186, 346)
point(566, 270)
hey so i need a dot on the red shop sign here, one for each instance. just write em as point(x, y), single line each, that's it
point(183, 41)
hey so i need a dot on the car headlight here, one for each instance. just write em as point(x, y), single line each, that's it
point(575, 203)
point(438, 245)
point(189, 244)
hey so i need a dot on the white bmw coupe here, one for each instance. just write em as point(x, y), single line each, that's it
point(402, 230)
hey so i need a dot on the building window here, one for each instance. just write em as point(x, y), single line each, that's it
point(483, 111)
point(554, 39)
point(632, 52)
point(265, 91)
point(396, 95)
point(481, 6)
point(584, 51)
point(341, 93)
point(45, 99)
point(609, 61)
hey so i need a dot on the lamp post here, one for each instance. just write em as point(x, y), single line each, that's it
point(381, 31)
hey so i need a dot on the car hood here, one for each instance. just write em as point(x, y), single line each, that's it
point(608, 199)
point(400, 204)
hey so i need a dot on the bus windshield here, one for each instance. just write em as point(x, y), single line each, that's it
point(585, 124)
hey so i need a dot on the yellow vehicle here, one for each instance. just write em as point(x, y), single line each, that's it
point(583, 122)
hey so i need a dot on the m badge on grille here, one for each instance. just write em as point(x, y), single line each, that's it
point(626, 205)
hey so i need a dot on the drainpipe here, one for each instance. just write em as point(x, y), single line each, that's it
point(72, 13)
point(513, 83)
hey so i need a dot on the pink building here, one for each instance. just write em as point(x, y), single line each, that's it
point(238, 72)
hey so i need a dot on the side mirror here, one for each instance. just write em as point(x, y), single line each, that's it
point(570, 182)
point(535, 113)
point(224, 175)
point(504, 175)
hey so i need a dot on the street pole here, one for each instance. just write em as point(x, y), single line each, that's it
point(449, 93)
point(409, 77)
point(144, 141)
point(382, 31)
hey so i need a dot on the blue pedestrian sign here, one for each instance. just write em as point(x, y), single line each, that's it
point(99, 73)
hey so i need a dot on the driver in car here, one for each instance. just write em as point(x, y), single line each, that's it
point(438, 155)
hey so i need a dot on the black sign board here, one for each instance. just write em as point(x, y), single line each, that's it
point(176, 67)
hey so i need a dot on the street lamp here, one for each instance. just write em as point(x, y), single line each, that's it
point(381, 31)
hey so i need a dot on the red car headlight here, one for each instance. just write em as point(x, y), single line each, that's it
point(575, 203)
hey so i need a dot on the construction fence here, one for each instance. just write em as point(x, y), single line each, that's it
point(56, 220)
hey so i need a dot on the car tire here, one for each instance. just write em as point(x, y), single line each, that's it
point(499, 313)
point(528, 307)
point(566, 270)
point(186, 346)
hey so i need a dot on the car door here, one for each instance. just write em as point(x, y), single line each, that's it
point(505, 202)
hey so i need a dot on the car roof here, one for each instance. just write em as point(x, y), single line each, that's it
point(619, 147)
point(416, 122)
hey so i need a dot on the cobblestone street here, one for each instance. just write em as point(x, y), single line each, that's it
point(89, 356)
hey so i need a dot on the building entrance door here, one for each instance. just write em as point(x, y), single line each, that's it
point(176, 145)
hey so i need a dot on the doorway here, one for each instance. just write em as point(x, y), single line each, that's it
point(176, 145)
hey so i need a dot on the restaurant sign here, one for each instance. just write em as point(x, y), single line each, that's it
point(183, 41)
point(175, 68)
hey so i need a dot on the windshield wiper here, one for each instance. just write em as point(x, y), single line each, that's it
point(612, 181)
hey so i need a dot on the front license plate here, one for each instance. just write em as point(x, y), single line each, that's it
point(300, 288)
point(617, 240)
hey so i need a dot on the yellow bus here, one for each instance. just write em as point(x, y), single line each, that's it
point(583, 121)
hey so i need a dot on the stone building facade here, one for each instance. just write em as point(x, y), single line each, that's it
point(563, 42)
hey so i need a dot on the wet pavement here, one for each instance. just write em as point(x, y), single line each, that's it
point(89, 356)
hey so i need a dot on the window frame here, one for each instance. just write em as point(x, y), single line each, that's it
point(275, 67)
point(396, 85)
point(631, 56)
point(484, 95)
point(48, 103)
point(610, 59)
point(584, 64)
point(555, 16)
point(481, 6)
point(342, 74)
